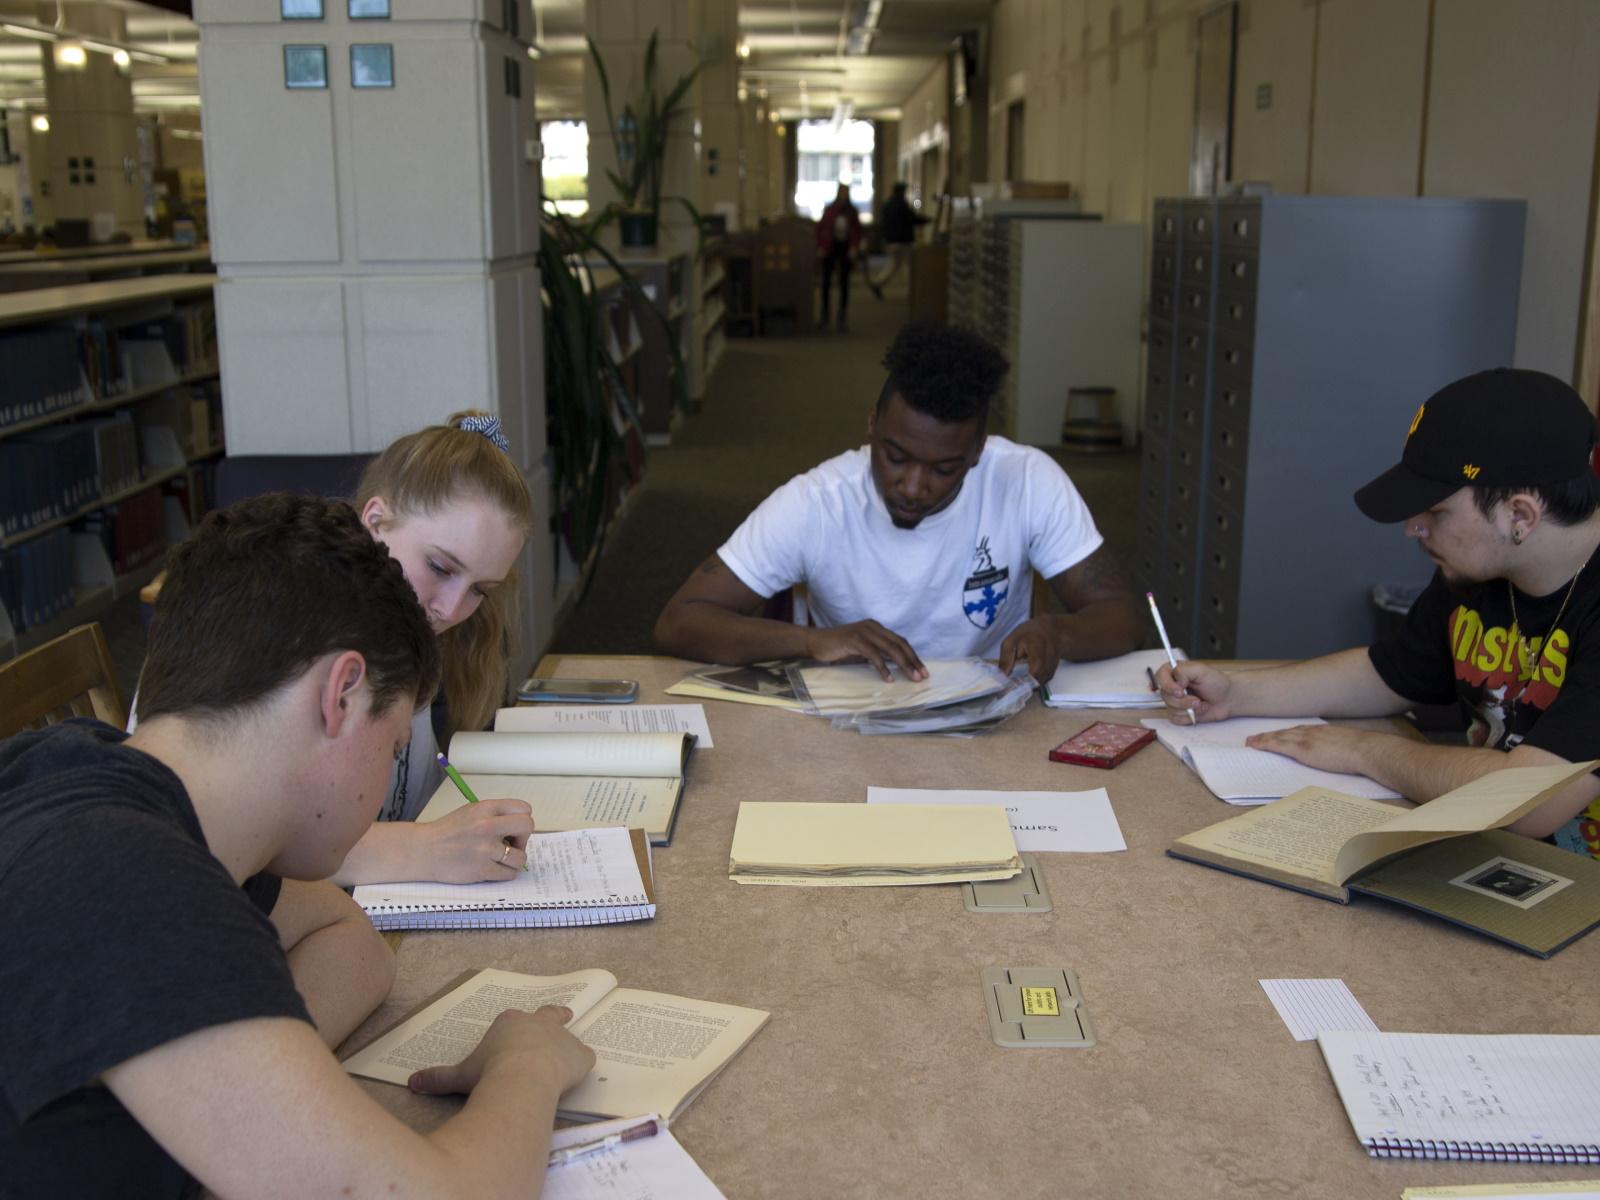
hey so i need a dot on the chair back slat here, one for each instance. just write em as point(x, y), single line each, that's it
point(70, 676)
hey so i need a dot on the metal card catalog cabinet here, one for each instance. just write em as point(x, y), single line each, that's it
point(1291, 340)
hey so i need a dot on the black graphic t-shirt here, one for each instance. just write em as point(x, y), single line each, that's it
point(1521, 682)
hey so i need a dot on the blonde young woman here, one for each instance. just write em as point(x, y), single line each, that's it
point(454, 511)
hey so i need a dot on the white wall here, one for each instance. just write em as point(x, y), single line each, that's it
point(1367, 97)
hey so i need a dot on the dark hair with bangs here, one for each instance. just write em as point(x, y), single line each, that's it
point(948, 373)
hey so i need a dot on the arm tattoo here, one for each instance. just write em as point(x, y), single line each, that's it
point(712, 566)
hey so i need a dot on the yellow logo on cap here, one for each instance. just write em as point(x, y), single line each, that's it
point(1470, 471)
point(1416, 420)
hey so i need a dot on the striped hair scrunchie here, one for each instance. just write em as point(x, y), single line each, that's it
point(489, 427)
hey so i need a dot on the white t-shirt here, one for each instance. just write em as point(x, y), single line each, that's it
point(955, 585)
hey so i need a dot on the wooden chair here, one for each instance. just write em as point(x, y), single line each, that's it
point(71, 676)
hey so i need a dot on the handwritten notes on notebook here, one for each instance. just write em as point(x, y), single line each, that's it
point(1500, 1097)
point(1240, 774)
point(652, 1168)
point(1049, 821)
point(1308, 1006)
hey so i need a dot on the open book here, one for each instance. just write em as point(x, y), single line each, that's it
point(1328, 845)
point(1241, 774)
point(577, 877)
point(653, 1052)
point(1476, 1097)
point(573, 780)
point(871, 845)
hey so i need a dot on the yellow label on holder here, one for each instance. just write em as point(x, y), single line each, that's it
point(1040, 1002)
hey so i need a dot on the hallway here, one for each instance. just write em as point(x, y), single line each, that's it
point(775, 407)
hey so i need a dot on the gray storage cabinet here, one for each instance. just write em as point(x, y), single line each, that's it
point(1291, 340)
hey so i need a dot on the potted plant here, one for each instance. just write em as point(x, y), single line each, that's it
point(640, 134)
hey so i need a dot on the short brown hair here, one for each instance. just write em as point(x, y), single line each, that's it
point(266, 587)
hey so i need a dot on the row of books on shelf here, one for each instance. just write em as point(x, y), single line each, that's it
point(50, 473)
point(40, 578)
point(37, 579)
point(47, 368)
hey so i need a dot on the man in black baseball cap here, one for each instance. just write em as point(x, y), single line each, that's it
point(1497, 486)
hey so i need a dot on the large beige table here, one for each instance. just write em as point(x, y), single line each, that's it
point(876, 1075)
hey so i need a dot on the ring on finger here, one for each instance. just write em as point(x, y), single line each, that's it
point(505, 854)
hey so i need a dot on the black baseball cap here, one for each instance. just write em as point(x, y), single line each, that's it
point(1504, 428)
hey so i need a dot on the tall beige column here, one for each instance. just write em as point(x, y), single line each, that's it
point(373, 185)
point(90, 167)
point(717, 108)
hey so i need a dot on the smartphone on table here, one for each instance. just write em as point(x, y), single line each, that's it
point(579, 691)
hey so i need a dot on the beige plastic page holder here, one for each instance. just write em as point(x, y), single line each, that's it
point(1036, 1008)
point(1024, 892)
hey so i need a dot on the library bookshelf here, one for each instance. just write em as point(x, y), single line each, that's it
point(110, 425)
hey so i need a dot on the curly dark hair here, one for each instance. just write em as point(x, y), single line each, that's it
point(264, 588)
point(951, 374)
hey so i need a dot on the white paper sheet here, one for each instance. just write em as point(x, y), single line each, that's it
point(652, 1168)
point(607, 718)
point(1241, 774)
point(1049, 821)
point(1108, 683)
point(1308, 1006)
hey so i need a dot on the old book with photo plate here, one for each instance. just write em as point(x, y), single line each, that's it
point(1448, 857)
point(653, 1052)
point(573, 780)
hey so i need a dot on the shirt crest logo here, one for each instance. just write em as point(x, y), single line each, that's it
point(986, 588)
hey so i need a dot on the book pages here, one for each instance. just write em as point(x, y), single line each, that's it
point(654, 1052)
point(659, 754)
point(569, 802)
point(857, 687)
point(1488, 802)
point(607, 718)
point(448, 1030)
point(1298, 839)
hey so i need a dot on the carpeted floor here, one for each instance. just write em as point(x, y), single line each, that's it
point(775, 407)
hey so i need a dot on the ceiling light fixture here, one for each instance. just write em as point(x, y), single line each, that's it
point(744, 48)
point(38, 35)
point(71, 54)
point(41, 124)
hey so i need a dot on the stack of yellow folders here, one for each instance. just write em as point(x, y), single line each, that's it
point(871, 845)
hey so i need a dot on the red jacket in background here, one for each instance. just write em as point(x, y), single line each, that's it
point(839, 208)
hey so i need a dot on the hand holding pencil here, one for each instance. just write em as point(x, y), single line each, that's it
point(1168, 671)
point(1198, 689)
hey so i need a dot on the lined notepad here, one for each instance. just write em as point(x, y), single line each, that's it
point(1241, 774)
point(578, 877)
point(1479, 1097)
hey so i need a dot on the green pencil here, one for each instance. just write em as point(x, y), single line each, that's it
point(455, 778)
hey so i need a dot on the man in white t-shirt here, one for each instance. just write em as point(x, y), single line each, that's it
point(920, 544)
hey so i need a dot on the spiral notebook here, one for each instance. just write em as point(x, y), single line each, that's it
point(576, 877)
point(1477, 1097)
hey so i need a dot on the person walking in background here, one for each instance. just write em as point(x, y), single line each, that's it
point(838, 244)
point(899, 222)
